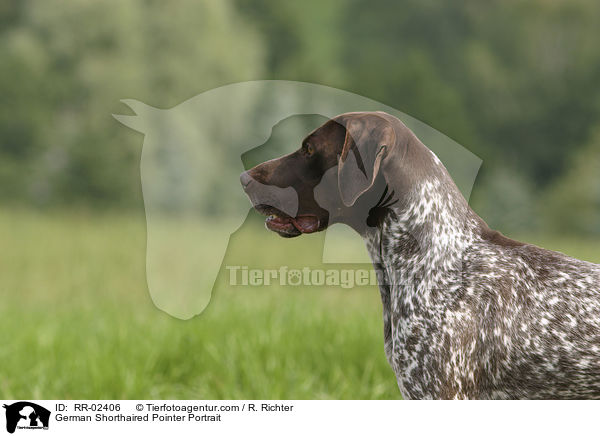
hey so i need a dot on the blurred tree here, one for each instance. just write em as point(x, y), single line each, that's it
point(514, 81)
point(531, 75)
point(572, 204)
point(304, 40)
point(66, 65)
point(507, 201)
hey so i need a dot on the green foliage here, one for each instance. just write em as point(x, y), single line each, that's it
point(577, 191)
point(507, 201)
point(66, 65)
point(516, 82)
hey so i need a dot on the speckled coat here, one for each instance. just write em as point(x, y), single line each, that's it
point(467, 312)
point(471, 314)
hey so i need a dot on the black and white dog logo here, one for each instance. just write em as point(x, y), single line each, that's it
point(26, 415)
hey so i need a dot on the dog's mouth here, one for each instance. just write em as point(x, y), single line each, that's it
point(288, 226)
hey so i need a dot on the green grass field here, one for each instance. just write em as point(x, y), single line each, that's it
point(77, 321)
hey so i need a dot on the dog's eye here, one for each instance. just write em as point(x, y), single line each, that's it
point(309, 149)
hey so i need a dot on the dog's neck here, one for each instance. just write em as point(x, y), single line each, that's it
point(423, 238)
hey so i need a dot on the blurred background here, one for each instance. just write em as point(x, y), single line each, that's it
point(515, 82)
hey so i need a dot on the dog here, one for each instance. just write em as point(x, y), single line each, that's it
point(467, 312)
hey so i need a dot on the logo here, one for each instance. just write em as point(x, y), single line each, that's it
point(26, 415)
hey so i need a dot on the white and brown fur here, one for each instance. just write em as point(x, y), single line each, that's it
point(467, 312)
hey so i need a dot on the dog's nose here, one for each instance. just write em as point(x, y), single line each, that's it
point(245, 179)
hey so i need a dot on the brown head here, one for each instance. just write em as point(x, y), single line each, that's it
point(337, 175)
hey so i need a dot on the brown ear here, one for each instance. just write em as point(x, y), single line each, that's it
point(365, 145)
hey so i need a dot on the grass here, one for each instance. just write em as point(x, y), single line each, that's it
point(77, 321)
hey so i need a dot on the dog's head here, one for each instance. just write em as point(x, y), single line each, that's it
point(335, 174)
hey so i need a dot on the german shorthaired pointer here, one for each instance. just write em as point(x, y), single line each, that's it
point(467, 312)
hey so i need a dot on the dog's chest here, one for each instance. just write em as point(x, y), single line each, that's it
point(488, 328)
point(428, 329)
point(432, 342)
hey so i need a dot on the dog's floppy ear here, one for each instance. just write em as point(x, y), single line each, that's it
point(365, 145)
